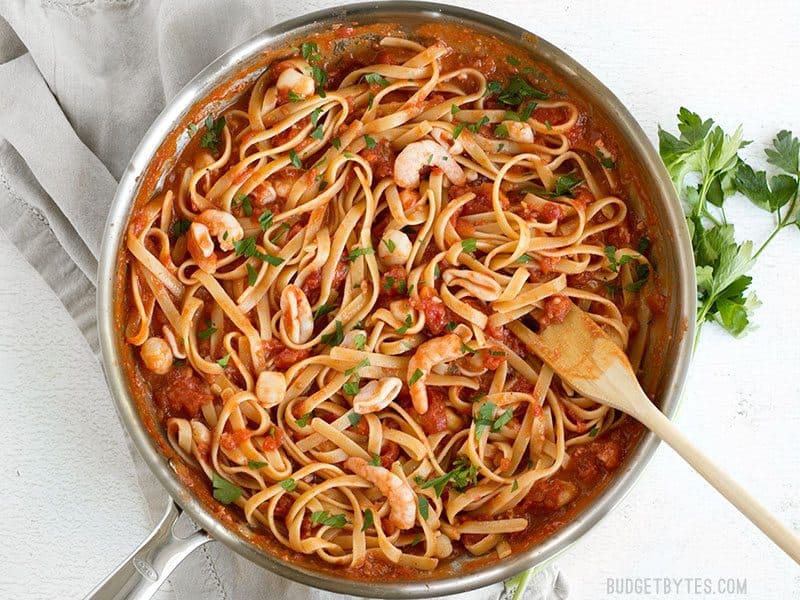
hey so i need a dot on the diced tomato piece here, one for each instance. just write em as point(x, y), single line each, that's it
point(390, 453)
point(435, 312)
point(181, 393)
point(380, 157)
point(435, 419)
point(493, 357)
point(555, 310)
point(273, 439)
point(231, 441)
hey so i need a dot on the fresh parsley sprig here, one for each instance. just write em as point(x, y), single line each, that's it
point(702, 150)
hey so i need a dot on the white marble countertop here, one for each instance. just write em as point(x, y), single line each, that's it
point(71, 510)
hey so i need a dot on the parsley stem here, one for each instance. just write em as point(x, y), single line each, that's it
point(783, 221)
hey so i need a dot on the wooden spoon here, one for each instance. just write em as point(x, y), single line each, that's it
point(589, 361)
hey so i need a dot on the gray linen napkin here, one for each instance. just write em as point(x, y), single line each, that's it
point(80, 83)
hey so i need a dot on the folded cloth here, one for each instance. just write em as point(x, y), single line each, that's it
point(80, 83)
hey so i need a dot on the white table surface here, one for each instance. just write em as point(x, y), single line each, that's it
point(70, 509)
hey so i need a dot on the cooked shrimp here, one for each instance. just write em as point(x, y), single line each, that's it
point(420, 154)
point(292, 80)
point(395, 248)
point(401, 498)
point(297, 320)
point(377, 395)
point(156, 355)
point(445, 138)
point(222, 225)
point(201, 247)
point(519, 132)
point(433, 352)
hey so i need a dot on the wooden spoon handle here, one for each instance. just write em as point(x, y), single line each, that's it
point(654, 419)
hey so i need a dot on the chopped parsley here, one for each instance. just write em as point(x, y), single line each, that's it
point(517, 90)
point(360, 341)
point(474, 127)
point(594, 431)
point(369, 520)
point(295, 159)
point(422, 501)
point(303, 421)
point(457, 131)
point(224, 490)
point(354, 369)
point(322, 517)
point(180, 227)
point(469, 245)
point(223, 362)
point(310, 51)
point(370, 142)
point(406, 325)
point(613, 263)
point(265, 220)
point(454, 108)
point(324, 309)
point(208, 332)
point(564, 186)
point(607, 162)
point(317, 133)
point(350, 388)
point(354, 418)
point(247, 247)
point(462, 474)
point(415, 377)
point(356, 252)
point(257, 464)
point(294, 96)
point(336, 143)
point(501, 131)
point(376, 79)
point(244, 202)
point(289, 484)
point(213, 132)
point(524, 258)
point(390, 245)
point(335, 338)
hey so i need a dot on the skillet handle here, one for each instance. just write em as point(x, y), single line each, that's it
point(148, 567)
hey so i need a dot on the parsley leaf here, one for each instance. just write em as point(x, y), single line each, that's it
point(702, 152)
point(335, 338)
point(257, 464)
point(289, 484)
point(517, 90)
point(360, 341)
point(501, 131)
point(180, 227)
point(310, 51)
point(356, 252)
point(370, 142)
point(224, 490)
point(211, 136)
point(303, 421)
point(350, 388)
point(606, 161)
point(295, 159)
point(247, 247)
point(265, 220)
point(564, 186)
point(422, 501)
point(354, 418)
point(208, 332)
point(354, 369)
point(406, 325)
point(322, 517)
point(324, 309)
point(223, 362)
point(469, 245)
point(376, 79)
point(785, 152)
point(415, 377)
point(461, 476)
point(369, 520)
